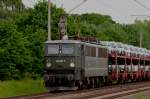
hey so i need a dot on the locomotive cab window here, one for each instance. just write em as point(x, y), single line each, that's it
point(53, 49)
point(63, 48)
point(67, 49)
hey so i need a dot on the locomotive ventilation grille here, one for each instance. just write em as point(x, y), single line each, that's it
point(60, 71)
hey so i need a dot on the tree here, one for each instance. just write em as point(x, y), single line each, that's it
point(8, 8)
point(12, 5)
point(15, 58)
point(34, 27)
point(22, 35)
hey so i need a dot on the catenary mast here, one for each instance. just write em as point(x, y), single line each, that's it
point(49, 20)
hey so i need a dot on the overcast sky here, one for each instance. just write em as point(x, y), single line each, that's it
point(119, 10)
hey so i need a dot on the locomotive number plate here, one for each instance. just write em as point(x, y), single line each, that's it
point(60, 61)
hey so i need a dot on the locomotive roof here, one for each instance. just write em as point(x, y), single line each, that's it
point(64, 41)
point(105, 44)
point(75, 41)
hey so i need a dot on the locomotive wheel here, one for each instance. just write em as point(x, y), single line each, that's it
point(91, 83)
point(97, 82)
point(80, 85)
point(87, 83)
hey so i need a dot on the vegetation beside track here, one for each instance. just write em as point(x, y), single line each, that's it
point(23, 32)
point(21, 87)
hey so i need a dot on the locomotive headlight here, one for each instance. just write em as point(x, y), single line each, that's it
point(72, 65)
point(48, 65)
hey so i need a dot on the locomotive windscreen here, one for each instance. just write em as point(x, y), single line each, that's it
point(53, 49)
point(61, 49)
point(67, 49)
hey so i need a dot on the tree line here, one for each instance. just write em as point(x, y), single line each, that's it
point(23, 32)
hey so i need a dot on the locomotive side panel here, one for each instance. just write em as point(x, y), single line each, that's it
point(96, 61)
point(96, 66)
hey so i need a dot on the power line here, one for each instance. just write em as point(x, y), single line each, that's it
point(142, 5)
point(140, 15)
point(77, 6)
point(110, 7)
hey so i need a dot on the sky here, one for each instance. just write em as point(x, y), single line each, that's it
point(121, 11)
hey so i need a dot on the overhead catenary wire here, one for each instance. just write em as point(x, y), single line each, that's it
point(140, 15)
point(110, 7)
point(142, 5)
point(77, 6)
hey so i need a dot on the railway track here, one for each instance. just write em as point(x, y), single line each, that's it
point(106, 92)
point(119, 95)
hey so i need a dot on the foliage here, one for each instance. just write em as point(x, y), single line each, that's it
point(9, 8)
point(23, 32)
point(15, 57)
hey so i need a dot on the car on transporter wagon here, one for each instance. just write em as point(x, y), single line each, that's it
point(78, 64)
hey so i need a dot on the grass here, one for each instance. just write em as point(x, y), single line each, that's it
point(21, 87)
point(143, 95)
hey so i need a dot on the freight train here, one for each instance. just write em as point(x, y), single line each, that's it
point(78, 64)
